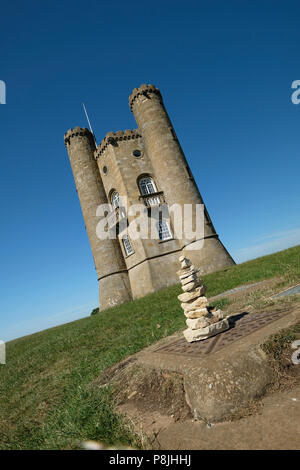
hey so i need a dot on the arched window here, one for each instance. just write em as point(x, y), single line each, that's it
point(115, 199)
point(147, 186)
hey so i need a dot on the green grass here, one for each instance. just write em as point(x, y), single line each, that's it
point(48, 399)
point(278, 342)
point(284, 263)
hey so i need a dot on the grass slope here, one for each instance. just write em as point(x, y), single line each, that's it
point(47, 396)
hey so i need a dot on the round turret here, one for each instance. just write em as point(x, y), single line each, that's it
point(174, 176)
point(112, 274)
point(143, 91)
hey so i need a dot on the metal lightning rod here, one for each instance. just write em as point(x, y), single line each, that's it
point(87, 117)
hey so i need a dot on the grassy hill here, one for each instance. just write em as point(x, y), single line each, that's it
point(48, 398)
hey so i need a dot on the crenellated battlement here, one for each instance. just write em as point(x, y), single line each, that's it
point(112, 138)
point(77, 131)
point(143, 90)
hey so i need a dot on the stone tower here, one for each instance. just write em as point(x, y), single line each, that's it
point(147, 166)
point(114, 287)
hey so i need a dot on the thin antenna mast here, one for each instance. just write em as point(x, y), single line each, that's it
point(87, 117)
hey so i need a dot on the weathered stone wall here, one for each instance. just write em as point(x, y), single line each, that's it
point(120, 170)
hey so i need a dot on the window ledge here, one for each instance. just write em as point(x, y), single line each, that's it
point(167, 240)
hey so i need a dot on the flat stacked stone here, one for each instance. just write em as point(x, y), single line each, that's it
point(202, 320)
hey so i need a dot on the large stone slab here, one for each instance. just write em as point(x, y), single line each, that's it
point(186, 273)
point(196, 323)
point(201, 312)
point(182, 273)
point(190, 286)
point(194, 304)
point(226, 372)
point(188, 279)
point(204, 333)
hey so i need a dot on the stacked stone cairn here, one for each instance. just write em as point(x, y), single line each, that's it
point(202, 321)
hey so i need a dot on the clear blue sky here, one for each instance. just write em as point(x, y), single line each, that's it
point(225, 70)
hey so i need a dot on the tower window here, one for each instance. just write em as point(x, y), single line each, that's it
point(164, 231)
point(147, 186)
point(137, 153)
point(115, 199)
point(127, 245)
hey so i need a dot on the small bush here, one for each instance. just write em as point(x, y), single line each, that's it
point(95, 311)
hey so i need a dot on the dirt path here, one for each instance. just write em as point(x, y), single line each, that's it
point(276, 426)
